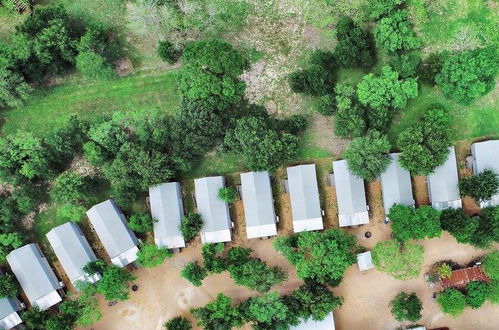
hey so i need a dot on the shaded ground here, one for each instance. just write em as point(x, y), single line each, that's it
point(371, 291)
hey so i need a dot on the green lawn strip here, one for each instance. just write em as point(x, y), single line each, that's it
point(50, 108)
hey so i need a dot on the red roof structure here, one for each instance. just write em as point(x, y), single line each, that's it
point(461, 277)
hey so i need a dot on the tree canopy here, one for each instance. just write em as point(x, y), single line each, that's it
point(321, 257)
point(355, 46)
point(114, 283)
point(393, 33)
point(367, 156)
point(178, 323)
point(150, 255)
point(402, 261)
point(491, 265)
point(406, 307)
point(476, 293)
point(191, 225)
point(481, 187)
point(194, 273)
point(468, 75)
point(452, 302)
point(414, 223)
point(141, 222)
point(218, 314)
point(8, 286)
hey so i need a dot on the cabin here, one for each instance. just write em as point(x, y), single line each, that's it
point(9, 317)
point(36, 277)
point(111, 226)
point(396, 185)
point(350, 196)
point(304, 196)
point(73, 251)
point(365, 261)
point(167, 209)
point(259, 213)
point(486, 157)
point(214, 211)
point(443, 184)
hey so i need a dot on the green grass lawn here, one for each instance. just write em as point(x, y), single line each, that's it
point(51, 107)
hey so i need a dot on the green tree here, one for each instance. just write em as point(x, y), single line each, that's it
point(114, 283)
point(452, 302)
point(261, 146)
point(491, 265)
point(191, 225)
point(405, 64)
point(71, 212)
point(194, 273)
point(227, 194)
point(354, 48)
point(313, 300)
point(476, 293)
point(8, 286)
point(424, 145)
point(210, 71)
point(468, 75)
point(414, 223)
point(256, 275)
point(218, 314)
point(367, 156)
point(14, 91)
point(213, 262)
point(265, 311)
point(393, 33)
point(321, 257)
point(459, 225)
point(35, 319)
point(494, 292)
point(381, 8)
point(168, 52)
point(481, 187)
point(445, 271)
point(429, 67)
point(178, 323)
point(318, 78)
point(88, 305)
point(94, 153)
point(406, 307)
point(95, 66)
point(95, 267)
point(9, 242)
point(72, 187)
point(349, 119)
point(141, 222)
point(150, 255)
point(403, 262)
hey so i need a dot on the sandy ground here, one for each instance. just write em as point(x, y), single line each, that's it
point(370, 292)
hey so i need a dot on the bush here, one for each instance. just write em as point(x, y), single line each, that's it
point(381, 8)
point(8, 286)
point(14, 91)
point(410, 223)
point(218, 314)
point(459, 225)
point(481, 187)
point(72, 187)
point(406, 65)
point(95, 267)
point(403, 262)
point(168, 52)
point(491, 265)
point(494, 292)
point(191, 225)
point(451, 302)
point(327, 105)
point(476, 293)
point(227, 194)
point(9, 242)
point(256, 275)
point(354, 48)
point(71, 212)
point(194, 273)
point(94, 153)
point(445, 271)
point(429, 67)
point(150, 255)
point(141, 222)
point(94, 66)
point(318, 78)
point(213, 262)
point(406, 307)
point(367, 156)
point(349, 120)
point(266, 311)
point(393, 33)
point(468, 75)
point(114, 283)
point(178, 323)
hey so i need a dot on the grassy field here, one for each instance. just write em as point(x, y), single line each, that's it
point(51, 107)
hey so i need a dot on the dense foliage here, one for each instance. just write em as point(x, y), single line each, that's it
point(350, 116)
point(318, 78)
point(481, 187)
point(212, 259)
point(141, 222)
point(8, 286)
point(355, 46)
point(468, 75)
point(491, 265)
point(190, 225)
point(476, 293)
point(150, 255)
point(320, 257)
point(393, 33)
point(402, 261)
point(406, 307)
point(168, 52)
point(414, 223)
point(218, 314)
point(367, 156)
point(194, 273)
point(71, 187)
point(114, 283)
point(424, 145)
point(9, 242)
point(452, 302)
point(227, 194)
point(178, 323)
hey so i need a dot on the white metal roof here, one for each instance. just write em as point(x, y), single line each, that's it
point(326, 324)
point(486, 157)
point(73, 251)
point(350, 196)
point(8, 313)
point(213, 210)
point(396, 185)
point(304, 195)
point(34, 274)
point(443, 184)
point(168, 210)
point(365, 261)
point(113, 231)
point(258, 204)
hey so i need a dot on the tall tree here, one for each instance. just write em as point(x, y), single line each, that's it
point(367, 156)
point(191, 225)
point(406, 307)
point(452, 302)
point(410, 223)
point(354, 48)
point(268, 311)
point(393, 33)
point(476, 293)
point(481, 187)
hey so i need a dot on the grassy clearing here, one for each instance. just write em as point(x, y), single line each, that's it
point(51, 107)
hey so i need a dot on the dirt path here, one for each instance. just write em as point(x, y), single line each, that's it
point(370, 292)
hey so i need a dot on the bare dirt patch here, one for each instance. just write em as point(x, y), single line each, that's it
point(420, 190)
point(320, 128)
point(375, 201)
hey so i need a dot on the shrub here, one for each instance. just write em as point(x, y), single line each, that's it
point(190, 225)
point(429, 67)
point(494, 292)
point(445, 271)
point(194, 273)
point(318, 78)
point(141, 222)
point(8, 286)
point(114, 283)
point(406, 307)
point(327, 105)
point(168, 52)
point(451, 302)
point(74, 188)
point(150, 255)
point(405, 64)
point(71, 212)
point(94, 66)
point(256, 275)
point(410, 223)
point(349, 120)
point(491, 265)
point(94, 153)
point(227, 194)
point(481, 187)
point(213, 262)
point(178, 323)
point(403, 262)
point(381, 8)
point(367, 156)
point(476, 293)
point(354, 48)
point(218, 314)
point(95, 267)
